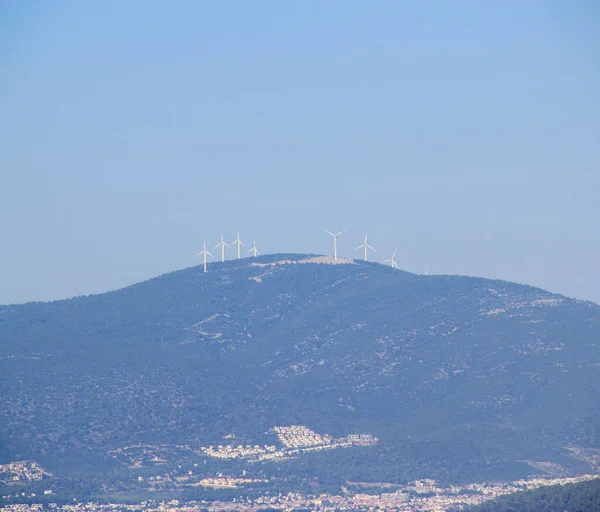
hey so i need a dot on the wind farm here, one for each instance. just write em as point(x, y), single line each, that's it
point(223, 245)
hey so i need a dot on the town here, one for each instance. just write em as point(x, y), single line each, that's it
point(421, 495)
point(22, 471)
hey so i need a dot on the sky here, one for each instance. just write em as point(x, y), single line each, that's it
point(465, 134)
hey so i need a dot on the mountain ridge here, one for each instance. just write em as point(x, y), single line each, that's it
point(281, 258)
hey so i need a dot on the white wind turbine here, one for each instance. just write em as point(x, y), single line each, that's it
point(239, 245)
point(366, 246)
point(254, 250)
point(222, 244)
point(335, 242)
point(205, 253)
point(392, 260)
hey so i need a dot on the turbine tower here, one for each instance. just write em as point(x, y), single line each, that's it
point(335, 242)
point(392, 260)
point(205, 253)
point(222, 244)
point(254, 250)
point(239, 245)
point(366, 247)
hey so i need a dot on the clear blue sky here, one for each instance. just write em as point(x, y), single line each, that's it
point(464, 133)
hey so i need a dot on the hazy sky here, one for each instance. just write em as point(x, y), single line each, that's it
point(464, 133)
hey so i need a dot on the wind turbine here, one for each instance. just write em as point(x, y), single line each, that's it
point(392, 260)
point(254, 250)
point(239, 244)
point(335, 242)
point(222, 244)
point(205, 253)
point(366, 246)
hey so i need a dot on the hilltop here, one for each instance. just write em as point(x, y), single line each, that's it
point(445, 377)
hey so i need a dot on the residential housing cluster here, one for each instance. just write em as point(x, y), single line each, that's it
point(22, 471)
point(298, 436)
point(295, 439)
point(228, 482)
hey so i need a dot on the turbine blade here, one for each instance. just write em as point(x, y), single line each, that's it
point(329, 232)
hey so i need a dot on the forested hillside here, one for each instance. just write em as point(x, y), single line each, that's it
point(580, 497)
point(457, 378)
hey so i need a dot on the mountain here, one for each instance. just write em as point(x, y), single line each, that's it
point(445, 377)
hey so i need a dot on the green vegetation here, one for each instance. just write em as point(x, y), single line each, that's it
point(579, 497)
point(459, 378)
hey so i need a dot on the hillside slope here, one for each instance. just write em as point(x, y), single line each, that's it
point(579, 497)
point(457, 377)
